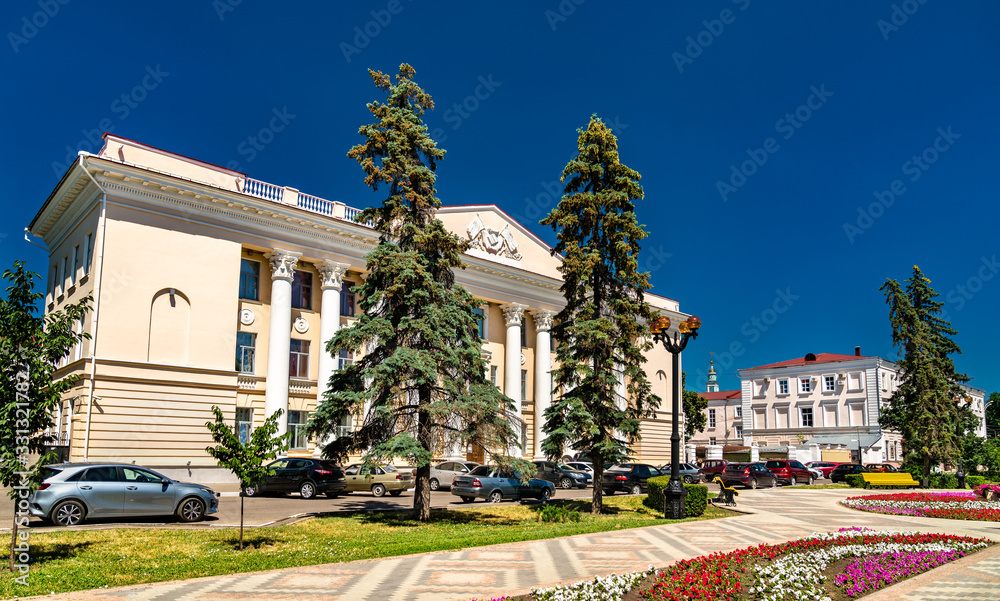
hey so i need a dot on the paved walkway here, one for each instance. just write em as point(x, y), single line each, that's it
point(777, 515)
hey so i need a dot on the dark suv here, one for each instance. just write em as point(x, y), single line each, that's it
point(308, 477)
point(751, 475)
point(839, 473)
point(628, 477)
point(791, 472)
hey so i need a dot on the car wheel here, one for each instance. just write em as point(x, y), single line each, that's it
point(546, 494)
point(792, 481)
point(378, 490)
point(468, 499)
point(811, 480)
point(68, 513)
point(753, 483)
point(307, 490)
point(191, 509)
point(774, 483)
point(565, 482)
point(688, 480)
point(251, 491)
point(395, 493)
point(495, 497)
point(636, 489)
point(435, 484)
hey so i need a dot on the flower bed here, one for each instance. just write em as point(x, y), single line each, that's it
point(845, 564)
point(950, 505)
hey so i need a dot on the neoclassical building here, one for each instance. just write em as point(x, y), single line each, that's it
point(212, 288)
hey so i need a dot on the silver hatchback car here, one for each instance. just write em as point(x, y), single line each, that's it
point(71, 492)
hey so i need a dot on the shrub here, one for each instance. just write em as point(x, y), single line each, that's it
point(558, 513)
point(974, 481)
point(694, 504)
point(947, 481)
point(854, 480)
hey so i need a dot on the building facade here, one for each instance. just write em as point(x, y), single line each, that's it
point(829, 400)
point(211, 288)
point(723, 416)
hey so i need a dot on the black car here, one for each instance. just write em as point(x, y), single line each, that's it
point(751, 475)
point(839, 473)
point(628, 477)
point(308, 477)
point(562, 475)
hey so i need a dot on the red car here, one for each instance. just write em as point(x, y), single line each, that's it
point(791, 472)
point(881, 468)
point(824, 466)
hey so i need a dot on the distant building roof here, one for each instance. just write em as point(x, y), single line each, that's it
point(820, 358)
point(720, 395)
point(849, 440)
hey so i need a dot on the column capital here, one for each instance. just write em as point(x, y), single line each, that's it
point(543, 319)
point(513, 313)
point(282, 263)
point(331, 274)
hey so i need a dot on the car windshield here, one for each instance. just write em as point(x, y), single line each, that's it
point(482, 470)
point(563, 466)
point(389, 468)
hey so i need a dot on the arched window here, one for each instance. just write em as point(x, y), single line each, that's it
point(169, 327)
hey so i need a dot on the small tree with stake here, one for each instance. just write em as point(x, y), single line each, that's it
point(246, 461)
point(30, 349)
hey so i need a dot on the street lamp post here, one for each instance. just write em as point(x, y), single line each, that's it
point(674, 495)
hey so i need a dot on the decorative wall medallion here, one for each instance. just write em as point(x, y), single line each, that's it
point(500, 243)
point(301, 325)
point(246, 316)
point(522, 359)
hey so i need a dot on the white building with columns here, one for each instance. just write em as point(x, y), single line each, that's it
point(212, 288)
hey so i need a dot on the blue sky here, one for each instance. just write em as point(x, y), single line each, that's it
point(793, 155)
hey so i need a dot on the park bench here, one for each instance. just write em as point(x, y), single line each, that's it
point(888, 479)
point(728, 494)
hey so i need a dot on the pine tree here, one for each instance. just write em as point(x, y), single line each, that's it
point(694, 410)
point(924, 407)
point(601, 331)
point(420, 387)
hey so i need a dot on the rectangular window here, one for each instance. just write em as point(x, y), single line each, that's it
point(739, 411)
point(739, 431)
point(711, 418)
point(806, 417)
point(344, 358)
point(347, 300)
point(482, 322)
point(711, 440)
point(524, 384)
point(246, 344)
point(805, 385)
point(783, 386)
point(298, 360)
point(524, 333)
point(88, 249)
point(249, 279)
point(302, 290)
point(493, 374)
point(297, 422)
point(65, 276)
point(244, 422)
point(829, 383)
point(55, 282)
point(76, 263)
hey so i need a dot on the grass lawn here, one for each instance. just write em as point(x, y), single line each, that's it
point(85, 559)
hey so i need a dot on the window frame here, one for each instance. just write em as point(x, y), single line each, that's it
point(244, 427)
point(803, 412)
point(297, 430)
point(296, 356)
point(302, 290)
point(481, 321)
point(783, 387)
point(241, 353)
point(829, 383)
point(712, 422)
point(244, 277)
point(76, 264)
point(348, 302)
point(344, 358)
point(805, 385)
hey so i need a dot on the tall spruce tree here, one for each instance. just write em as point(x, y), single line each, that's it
point(602, 330)
point(924, 408)
point(420, 387)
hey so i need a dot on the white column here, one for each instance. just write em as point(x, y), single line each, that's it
point(513, 315)
point(331, 283)
point(543, 368)
point(279, 334)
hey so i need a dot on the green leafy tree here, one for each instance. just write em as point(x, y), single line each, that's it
point(246, 461)
point(30, 348)
point(420, 387)
point(924, 407)
point(602, 330)
point(694, 410)
point(993, 415)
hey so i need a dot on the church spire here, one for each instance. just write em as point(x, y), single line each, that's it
point(713, 380)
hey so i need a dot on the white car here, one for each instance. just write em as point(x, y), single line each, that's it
point(583, 466)
point(443, 473)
